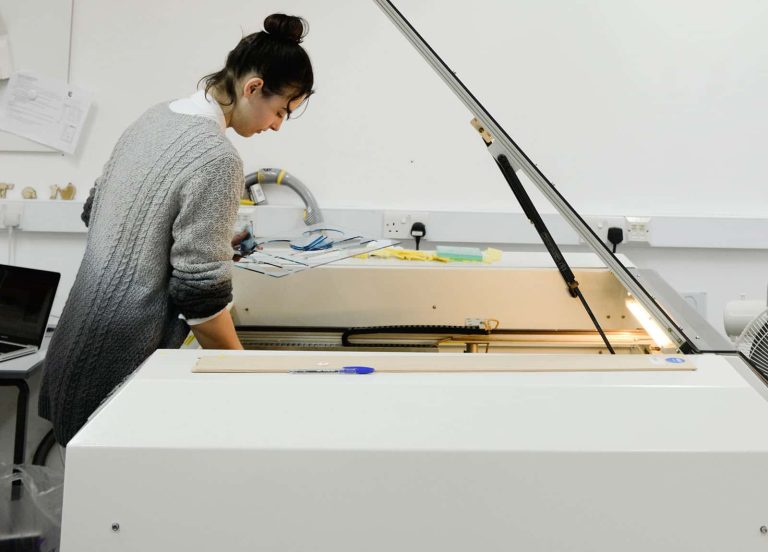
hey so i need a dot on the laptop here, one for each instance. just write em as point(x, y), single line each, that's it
point(26, 298)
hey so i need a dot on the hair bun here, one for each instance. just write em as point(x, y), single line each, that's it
point(286, 27)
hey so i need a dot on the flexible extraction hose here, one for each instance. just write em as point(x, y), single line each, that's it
point(312, 213)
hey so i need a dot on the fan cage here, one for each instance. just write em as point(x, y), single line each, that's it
point(753, 342)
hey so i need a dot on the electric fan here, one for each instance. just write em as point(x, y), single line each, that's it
point(753, 342)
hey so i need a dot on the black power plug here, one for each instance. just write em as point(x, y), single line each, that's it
point(418, 231)
point(615, 236)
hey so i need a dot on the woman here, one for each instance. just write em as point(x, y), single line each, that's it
point(160, 217)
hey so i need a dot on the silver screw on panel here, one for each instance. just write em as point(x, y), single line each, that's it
point(764, 530)
point(115, 527)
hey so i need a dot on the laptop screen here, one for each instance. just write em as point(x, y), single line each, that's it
point(26, 298)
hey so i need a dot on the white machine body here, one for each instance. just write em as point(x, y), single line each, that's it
point(567, 460)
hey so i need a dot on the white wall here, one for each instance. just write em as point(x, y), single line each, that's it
point(630, 108)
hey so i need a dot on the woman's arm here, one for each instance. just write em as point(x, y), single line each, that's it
point(217, 333)
point(200, 282)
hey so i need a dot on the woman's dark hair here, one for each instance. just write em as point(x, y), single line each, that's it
point(275, 54)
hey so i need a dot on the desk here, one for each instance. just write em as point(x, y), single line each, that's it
point(15, 373)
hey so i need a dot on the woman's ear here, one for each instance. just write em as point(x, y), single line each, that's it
point(252, 86)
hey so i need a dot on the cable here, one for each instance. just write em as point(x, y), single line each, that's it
point(43, 449)
point(407, 329)
point(11, 250)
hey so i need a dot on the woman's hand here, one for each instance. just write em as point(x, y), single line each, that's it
point(236, 240)
point(244, 244)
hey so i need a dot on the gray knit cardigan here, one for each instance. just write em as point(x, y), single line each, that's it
point(160, 222)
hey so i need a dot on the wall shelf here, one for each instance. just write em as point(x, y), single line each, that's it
point(44, 215)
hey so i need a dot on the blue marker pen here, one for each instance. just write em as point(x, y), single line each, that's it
point(344, 370)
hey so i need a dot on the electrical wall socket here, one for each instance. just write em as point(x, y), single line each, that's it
point(397, 224)
point(638, 230)
point(600, 226)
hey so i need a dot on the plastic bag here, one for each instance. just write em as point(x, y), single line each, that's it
point(31, 522)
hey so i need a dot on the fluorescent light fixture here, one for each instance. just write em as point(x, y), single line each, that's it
point(650, 325)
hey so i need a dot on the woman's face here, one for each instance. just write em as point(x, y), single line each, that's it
point(255, 112)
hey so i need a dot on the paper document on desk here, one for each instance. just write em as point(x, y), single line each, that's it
point(308, 247)
point(48, 111)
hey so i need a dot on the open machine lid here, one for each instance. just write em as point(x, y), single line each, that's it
point(503, 145)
